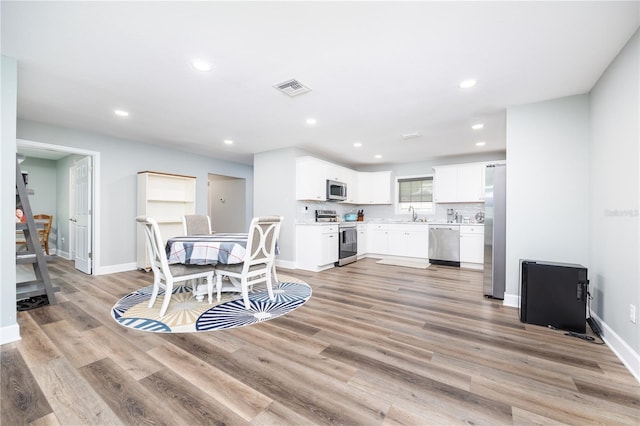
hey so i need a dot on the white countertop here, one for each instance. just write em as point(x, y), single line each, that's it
point(456, 224)
point(385, 222)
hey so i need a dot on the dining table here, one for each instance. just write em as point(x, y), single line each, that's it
point(207, 249)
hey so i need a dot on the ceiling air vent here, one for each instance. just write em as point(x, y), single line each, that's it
point(292, 88)
point(411, 135)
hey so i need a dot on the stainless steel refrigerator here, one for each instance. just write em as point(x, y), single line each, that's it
point(495, 214)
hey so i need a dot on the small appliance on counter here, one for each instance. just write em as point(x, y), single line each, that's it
point(450, 216)
point(326, 216)
point(350, 217)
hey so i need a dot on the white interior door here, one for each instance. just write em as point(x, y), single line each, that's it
point(80, 215)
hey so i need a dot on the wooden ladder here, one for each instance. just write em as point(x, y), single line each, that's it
point(34, 253)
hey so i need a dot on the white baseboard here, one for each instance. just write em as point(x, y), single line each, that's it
point(285, 264)
point(10, 333)
point(623, 351)
point(112, 269)
point(62, 254)
point(512, 300)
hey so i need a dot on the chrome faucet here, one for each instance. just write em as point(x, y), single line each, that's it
point(414, 216)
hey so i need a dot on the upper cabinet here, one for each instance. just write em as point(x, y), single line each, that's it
point(461, 183)
point(362, 187)
point(374, 187)
point(311, 180)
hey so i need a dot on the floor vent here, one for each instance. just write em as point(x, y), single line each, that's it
point(292, 88)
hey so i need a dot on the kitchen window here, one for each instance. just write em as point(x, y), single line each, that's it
point(416, 192)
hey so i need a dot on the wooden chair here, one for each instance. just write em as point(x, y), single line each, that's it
point(165, 275)
point(196, 224)
point(259, 262)
point(43, 234)
point(47, 220)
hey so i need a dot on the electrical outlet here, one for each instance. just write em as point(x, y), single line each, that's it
point(632, 313)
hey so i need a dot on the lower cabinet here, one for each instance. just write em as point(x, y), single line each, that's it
point(409, 240)
point(362, 238)
point(472, 246)
point(402, 240)
point(316, 246)
point(377, 239)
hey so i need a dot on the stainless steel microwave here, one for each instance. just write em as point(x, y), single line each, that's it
point(336, 191)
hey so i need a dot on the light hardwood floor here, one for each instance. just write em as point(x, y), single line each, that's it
point(374, 345)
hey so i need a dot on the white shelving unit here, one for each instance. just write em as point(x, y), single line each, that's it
point(166, 198)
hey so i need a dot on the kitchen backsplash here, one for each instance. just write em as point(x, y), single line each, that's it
point(467, 210)
point(382, 212)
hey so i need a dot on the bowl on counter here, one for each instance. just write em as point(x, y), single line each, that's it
point(350, 217)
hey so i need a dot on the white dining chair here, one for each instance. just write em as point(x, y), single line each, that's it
point(196, 224)
point(166, 275)
point(259, 262)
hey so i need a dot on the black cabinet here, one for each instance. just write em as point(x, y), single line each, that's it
point(554, 294)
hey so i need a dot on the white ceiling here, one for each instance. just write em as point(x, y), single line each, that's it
point(377, 69)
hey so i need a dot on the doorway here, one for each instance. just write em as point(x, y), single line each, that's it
point(89, 262)
point(227, 203)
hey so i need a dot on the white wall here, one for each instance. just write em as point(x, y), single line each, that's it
point(274, 194)
point(614, 256)
point(121, 160)
point(547, 185)
point(9, 330)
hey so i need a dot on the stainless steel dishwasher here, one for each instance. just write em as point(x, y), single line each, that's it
point(444, 244)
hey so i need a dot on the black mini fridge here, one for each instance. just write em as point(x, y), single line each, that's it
point(553, 294)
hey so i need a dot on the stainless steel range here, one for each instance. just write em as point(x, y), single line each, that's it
point(348, 243)
point(347, 237)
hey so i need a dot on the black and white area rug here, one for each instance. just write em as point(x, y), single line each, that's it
point(186, 315)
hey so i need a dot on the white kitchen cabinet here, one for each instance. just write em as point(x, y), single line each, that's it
point(316, 246)
point(409, 240)
point(312, 175)
point(459, 183)
point(472, 246)
point(445, 184)
point(166, 198)
point(362, 239)
point(374, 187)
point(311, 181)
point(350, 177)
point(377, 239)
point(471, 182)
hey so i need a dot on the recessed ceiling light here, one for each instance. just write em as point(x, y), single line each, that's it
point(311, 121)
point(121, 113)
point(477, 126)
point(201, 65)
point(481, 143)
point(357, 144)
point(228, 142)
point(466, 84)
point(378, 156)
